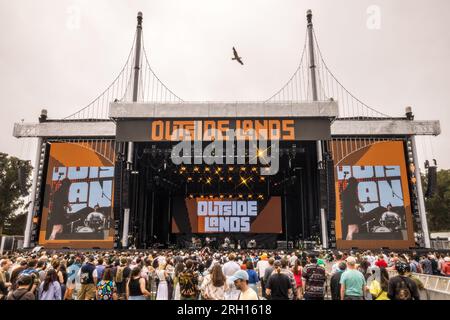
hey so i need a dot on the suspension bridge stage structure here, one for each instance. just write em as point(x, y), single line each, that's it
point(112, 175)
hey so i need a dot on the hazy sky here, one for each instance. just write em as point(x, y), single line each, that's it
point(59, 55)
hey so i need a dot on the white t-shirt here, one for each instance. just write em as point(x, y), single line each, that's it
point(261, 266)
point(230, 268)
point(249, 294)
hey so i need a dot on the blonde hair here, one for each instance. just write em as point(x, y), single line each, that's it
point(162, 266)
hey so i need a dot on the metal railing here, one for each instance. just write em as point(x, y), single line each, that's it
point(440, 244)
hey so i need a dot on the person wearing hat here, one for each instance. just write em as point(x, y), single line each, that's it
point(240, 280)
point(22, 292)
point(353, 283)
point(402, 287)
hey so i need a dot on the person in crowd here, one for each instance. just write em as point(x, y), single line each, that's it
point(5, 284)
point(188, 279)
point(434, 265)
point(381, 262)
point(135, 287)
point(314, 280)
point(337, 261)
point(402, 287)
point(252, 276)
point(61, 273)
point(163, 288)
point(16, 270)
point(41, 269)
point(100, 267)
point(214, 284)
point(297, 270)
point(426, 265)
point(335, 285)
point(231, 267)
point(22, 291)
point(415, 265)
point(353, 283)
point(240, 280)
point(179, 267)
point(363, 267)
point(50, 289)
point(267, 272)
point(445, 270)
point(106, 288)
point(278, 285)
point(379, 285)
point(261, 266)
point(122, 275)
point(31, 270)
point(88, 279)
point(73, 269)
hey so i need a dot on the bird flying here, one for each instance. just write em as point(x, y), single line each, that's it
point(236, 57)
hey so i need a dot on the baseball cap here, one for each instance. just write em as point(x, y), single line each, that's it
point(239, 275)
point(351, 260)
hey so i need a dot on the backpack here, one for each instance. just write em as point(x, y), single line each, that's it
point(119, 275)
point(187, 284)
point(403, 292)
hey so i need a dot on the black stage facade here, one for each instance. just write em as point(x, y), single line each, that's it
point(158, 190)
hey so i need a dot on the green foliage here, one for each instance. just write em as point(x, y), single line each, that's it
point(12, 191)
point(15, 224)
point(438, 206)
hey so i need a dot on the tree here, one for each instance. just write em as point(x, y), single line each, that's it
point(14, 186)
point(438, 206)
point(15, 224)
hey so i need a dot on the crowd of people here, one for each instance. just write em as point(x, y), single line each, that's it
point(219, 275)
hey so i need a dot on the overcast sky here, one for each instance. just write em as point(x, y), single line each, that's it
point(59, 54)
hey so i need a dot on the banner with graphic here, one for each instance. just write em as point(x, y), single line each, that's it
point(217, 215)
point(77, 209)
point(373, 208)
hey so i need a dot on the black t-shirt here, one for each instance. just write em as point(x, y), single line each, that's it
point(279, 286)
point(126, 273)
point(87, 272)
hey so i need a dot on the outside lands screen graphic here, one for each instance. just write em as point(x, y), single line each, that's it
point(78, 195)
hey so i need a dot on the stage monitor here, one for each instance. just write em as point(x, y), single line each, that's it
point(77, 208)
point(216, 215)
point(373, 207)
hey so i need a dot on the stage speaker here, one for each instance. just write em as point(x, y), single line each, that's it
point(331, 192)
point(323, 192)
point(385, 248)
point(126, 189)
point(432, 181)
point(119, 171)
